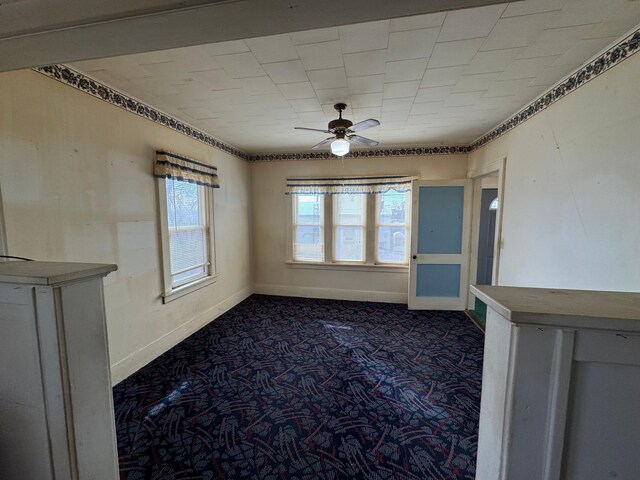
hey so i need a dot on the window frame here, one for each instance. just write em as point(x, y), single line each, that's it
point(294, 228)
point(406, 225)
point(363, 227)
point(370, 242)
point(171, 292)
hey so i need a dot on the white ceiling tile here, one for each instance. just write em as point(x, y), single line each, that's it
point(551, 74)
point(401, 89)
point(271, 100)
point(434, 94)
point(412, 43)
point(365, 84)
point(555, 41)
point(527, 68)
point(365, 100)
point(440, 77)
point(328, 78)
point(156, 86)
point(450, 54)
point(582, 12)
point(517, 9)
point(316, 56)
point(360, 114)
point(275, 48)
point(395, 116)
point(426, 108)
point(332, 95)
point(295, 91)
point(470, 23)
point(505, 88)
point(462, 99)
point(216, 79)
point(622, 20)
point(120, 67)
point(396, 104)
point(416, 22)
point(314, 119)
point(390, 126)
point(364, 36)
point(492, 60)
point(516, 32)
point(315, 36)
point(258, 85)
point(582, 51)
point(405, 70)
point(199, 113)
point(286, 72)
point(365, 63)
point(474, 83)
point(226, 48)
point(241, 65)
point(331, 113)
point(305, 105)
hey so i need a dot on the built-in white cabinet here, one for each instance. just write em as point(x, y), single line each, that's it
point(56, 404)
point(560, 385)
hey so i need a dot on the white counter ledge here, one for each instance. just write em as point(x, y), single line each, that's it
point(51, 273)
point(565, 308)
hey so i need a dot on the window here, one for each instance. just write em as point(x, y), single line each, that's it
point(342, 228)
point(392, 227)
point(349, 227)
point(186, 222)
point(308, 228)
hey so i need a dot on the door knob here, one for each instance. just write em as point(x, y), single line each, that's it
point(415, 257)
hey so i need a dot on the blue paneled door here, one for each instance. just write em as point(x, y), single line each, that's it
point(440, 227)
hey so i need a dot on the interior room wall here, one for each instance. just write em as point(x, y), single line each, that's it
point(77, 185)
point(572, 189)
point(271, 273)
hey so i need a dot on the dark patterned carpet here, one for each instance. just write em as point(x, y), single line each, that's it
point(287, 388)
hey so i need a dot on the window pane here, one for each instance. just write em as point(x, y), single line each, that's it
point(392, 207)
point(309, 209)
point(309, 243)
point(349, 209)
point(188, 248)
point(348, 244)
point(189, 276)
point(183, 204)
point(392, 244)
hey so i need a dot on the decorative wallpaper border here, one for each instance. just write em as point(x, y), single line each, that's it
point(379, 152)
point(77, 80)
point(608, 59)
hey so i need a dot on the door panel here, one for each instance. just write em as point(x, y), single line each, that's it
point(438, 270)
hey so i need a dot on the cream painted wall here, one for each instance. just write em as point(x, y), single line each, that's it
point(572, 192)
point(273, 276)
point(77, 185)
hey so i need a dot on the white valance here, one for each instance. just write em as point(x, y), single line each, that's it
point(354, 185)
point(170, 165)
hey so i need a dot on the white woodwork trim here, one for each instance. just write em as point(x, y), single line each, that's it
point(138, 359)
point(4, 248)
point(558, 402)
point(350, 267)
point(330, 293)
point(491, 168)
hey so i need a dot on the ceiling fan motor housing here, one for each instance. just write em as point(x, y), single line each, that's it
point(340, 125)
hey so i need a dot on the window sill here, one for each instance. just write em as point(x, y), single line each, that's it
point(183, 290)
point(353, 267)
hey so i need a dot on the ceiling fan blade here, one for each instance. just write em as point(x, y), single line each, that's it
point(363, 125)
point(363, 141)
point(323, 143)
point(312, 129)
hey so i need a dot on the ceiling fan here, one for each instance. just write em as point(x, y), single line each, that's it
point(343, 131)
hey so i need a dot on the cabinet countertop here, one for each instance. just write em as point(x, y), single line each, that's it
point(51, 273)
point(569, 308)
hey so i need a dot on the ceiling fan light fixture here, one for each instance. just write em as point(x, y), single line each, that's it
point(340, 147)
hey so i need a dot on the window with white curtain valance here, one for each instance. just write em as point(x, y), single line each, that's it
point(349, 185)
point(171, 165)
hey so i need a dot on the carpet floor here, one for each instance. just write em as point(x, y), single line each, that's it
point(291, 388)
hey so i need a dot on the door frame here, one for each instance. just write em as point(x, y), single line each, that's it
point(490, 169)
point(4, 249)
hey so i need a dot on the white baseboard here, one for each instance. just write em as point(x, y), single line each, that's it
point(330, 293)
point(139, 358)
